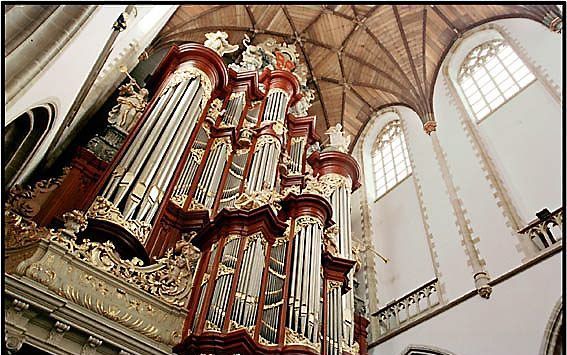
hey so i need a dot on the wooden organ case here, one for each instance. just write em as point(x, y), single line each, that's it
point(217, 163)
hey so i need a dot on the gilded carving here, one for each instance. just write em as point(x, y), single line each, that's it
point(330, 237)
point(326, 184)
point(293, 337)
point(20, 232)
point(255, 199)
point(305, 221)
point(187, 73)
point(105, 210)
point(273, 55)
point(265, 139)
point(73, 279)
point(26, 201)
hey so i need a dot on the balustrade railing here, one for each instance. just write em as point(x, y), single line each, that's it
point(546, 230)
point(407, 308)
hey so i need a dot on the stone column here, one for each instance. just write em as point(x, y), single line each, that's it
point(480, 275)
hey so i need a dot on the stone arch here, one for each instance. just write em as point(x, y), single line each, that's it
point(554, 333)
point(23, 136)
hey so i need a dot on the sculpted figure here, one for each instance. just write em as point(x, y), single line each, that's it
point(218, 41)
point(129, 107)
point(338, 140)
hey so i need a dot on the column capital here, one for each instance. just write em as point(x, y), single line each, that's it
point(284, 80)
point(430, 126)
point(336, 162)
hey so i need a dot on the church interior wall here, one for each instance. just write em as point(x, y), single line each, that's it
point(75, 60)
point(496, 326)
point(518, 140)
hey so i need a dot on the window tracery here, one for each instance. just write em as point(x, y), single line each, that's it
point(490, 75)
point(390, 160)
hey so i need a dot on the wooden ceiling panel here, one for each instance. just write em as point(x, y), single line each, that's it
point(271, 18)
point(384, 59)
point(330, 29)
point(325, 63)
point(332, 97)
point(303, 16)
point(362, 9)
point(317, 110)
point(345, 10)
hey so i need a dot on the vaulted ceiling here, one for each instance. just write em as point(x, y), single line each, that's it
point(361, 58)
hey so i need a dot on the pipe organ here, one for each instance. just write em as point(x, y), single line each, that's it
point(216, 156)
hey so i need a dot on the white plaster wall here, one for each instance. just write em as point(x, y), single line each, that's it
point(455, 275)
point(512, 321)
point(397, 229)
point(524, 139)
point(497, 244)
point(61, 80)
point(139, 33)
point(542, 46)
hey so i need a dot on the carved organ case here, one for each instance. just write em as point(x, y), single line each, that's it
point(218, 161)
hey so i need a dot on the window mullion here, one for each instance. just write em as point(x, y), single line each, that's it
point(394, 162)
point(495, 83)
point(508, 71)
point(481, 95)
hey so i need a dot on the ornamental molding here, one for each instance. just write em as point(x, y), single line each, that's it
point(266, 139)
point(188, 73)
point(255, 199)
point(146, 299)
point(306, 221)
point(169, 278)
point(330, 237)
point(326, 184)
point(26, 200)
point(293, 337)
point(104, 210)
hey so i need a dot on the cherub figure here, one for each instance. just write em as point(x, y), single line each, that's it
point(218, 41)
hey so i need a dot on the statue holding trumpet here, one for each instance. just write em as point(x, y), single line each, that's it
point(130, 104)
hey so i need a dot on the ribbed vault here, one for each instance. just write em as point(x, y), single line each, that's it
point(361, 58)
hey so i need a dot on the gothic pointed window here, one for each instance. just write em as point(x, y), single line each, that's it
point(490, 75)
point(390, 158)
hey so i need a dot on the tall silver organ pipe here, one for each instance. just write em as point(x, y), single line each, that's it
point(138, 183)
point(235, 176)
point(276, 105)
point(183, 185)
point(249, 282)
point(340, 201)
point(223, 283)
point(205, 283)
point(296, 151)
point(210, 178)
point(234, 109)
point(274, 292)
point(264, 164)
point(335, 321)
point(304, 297)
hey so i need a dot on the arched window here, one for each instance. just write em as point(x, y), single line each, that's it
point(390, 159)
point(22, 137)
point(490, 75)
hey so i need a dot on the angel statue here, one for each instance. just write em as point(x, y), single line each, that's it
point(338, 141)
point(130, 105)
point(218, 41)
